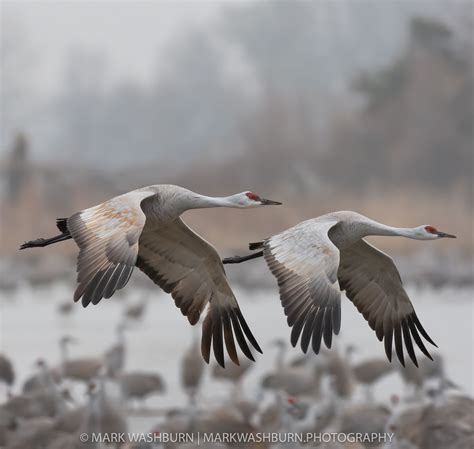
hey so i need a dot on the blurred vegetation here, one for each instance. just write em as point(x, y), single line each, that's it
point(417, 125)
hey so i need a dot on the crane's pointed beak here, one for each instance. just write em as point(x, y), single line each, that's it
point(265, 202)
point(444, 235)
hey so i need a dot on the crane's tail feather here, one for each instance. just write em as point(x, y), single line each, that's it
point(61, 223)
point(256, 245)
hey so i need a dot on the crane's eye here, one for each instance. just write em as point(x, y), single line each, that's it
point(431, 229)
point(252, 196)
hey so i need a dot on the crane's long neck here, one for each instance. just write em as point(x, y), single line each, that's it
point(375, 228)
point(197, 201)
point(120, 336)
point(64, 353)
point(280, 358)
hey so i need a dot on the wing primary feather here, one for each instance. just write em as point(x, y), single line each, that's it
point(79, 291)
point(417, 338)
point(112, 284)
point(293, 312)
point(399, 343)
point(229, 338)
point(217, 340)
point(88, 296)
point(87, 285)
point(422, 330)
point(327, 328)
point(379, 330)
point(308, 330)
point(298, 325)
point(318, 330)
point(206, 338)
point(336, 317)
point(98, 293)
point(240, 337)
point(388, 344)
point(247, 331)
point(408, 343)
point(124, 277)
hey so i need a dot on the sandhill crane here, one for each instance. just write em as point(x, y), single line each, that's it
point(114, 357)
point(192, 370)
point(139, 385)
point(39, 403)
point(364, 419)
point(232, 373)
point(90, 422)
point(450, 424)
point(340, 372)
point(312, 416)
point(8, 425)
point(405, 423)
point(45, 379)
point(65, 307)
point(143, 228)
point(370, 371)
point(136, 311)
point(293, 380)
point(111, 415)
point(7, 374)
point(316, 259)
point(82, 369)
point(428, 369)
point(35, 433)
point(36, 381)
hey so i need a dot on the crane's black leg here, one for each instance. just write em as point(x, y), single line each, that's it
point(39, 243)
point(239, 259)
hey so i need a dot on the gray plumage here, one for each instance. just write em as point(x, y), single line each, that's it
point(192, 370)
point(82, 369)
point(114, 357)
point(143, 228)
point(136, 311)
point(370, 371)
point(139, 385)
point(316, 259)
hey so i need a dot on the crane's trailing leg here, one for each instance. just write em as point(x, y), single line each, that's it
point(239, 259)
point(39, 243)
point(61, 223)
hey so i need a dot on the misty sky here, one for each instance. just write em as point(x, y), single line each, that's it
point(143, 42)
point(130, 34)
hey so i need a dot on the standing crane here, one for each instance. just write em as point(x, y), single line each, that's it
point(82, 369)
point(7, 373)
point(143, 228)
point(316, 259)
point(114, 357)
point(192, 371)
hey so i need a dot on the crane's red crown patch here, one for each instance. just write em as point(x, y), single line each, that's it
point(431, 229)
point(252, 196)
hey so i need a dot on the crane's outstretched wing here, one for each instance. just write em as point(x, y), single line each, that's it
point(188, 267)
point(305, 261)
point(372, 282)
point(107, 236)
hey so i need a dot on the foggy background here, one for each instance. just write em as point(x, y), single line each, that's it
point(323, 105)
point(356, 105)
